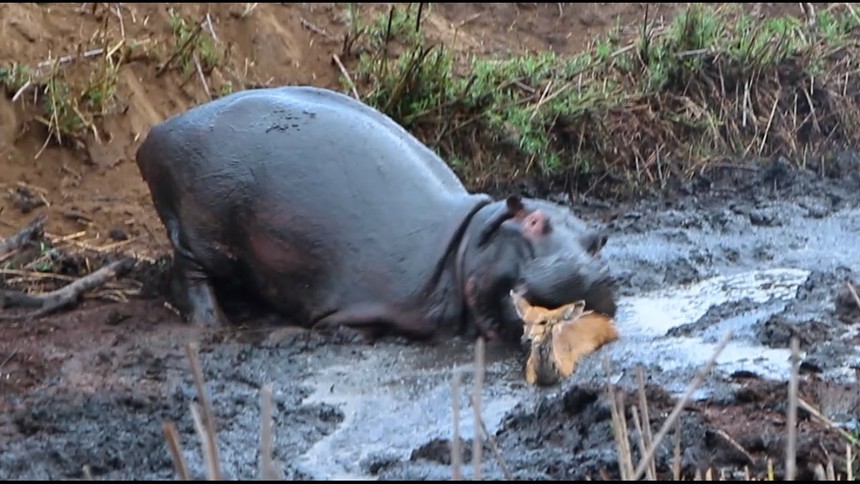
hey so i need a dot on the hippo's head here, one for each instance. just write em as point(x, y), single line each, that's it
point(541, 250)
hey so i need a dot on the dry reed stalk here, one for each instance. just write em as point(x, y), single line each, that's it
point(477, 441)
point(676, 412)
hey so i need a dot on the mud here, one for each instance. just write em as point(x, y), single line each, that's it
point(689, 268)
point(760, 249)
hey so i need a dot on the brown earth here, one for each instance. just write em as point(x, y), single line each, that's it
point(96, 188)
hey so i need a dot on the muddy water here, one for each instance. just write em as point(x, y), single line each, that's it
point(765, 265)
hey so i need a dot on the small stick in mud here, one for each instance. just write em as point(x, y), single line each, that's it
point(456, 453)
point(679, 406)
point(646, 417)
point(641, 440)
point(268, 472)
point(619, 425)
point(88, 473)
point(734, 443)
point(477, 441)
point(791, 418)
point(191, 350)
point(676, 454)
point(494, 446)
point(172, 437)
point(851, 289)
point(316, 29)
point(67, 295)
point(826, 421)
point(210, 452)
point(32, 231)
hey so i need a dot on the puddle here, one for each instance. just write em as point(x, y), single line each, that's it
point(392, 406)
point(645, 323)
point(656, 313)
point(398, 399)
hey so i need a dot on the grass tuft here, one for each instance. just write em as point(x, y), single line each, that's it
point(714, 84)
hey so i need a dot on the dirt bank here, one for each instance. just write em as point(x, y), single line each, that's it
point(762, 250)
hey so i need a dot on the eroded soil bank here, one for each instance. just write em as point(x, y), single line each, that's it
point(764, 251)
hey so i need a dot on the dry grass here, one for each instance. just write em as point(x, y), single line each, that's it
point(715, 84)
point(71, 95)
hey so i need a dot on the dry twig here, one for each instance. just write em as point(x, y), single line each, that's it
point(346, 75)
point(66, 295)
point(34, 230)
point(172, 437)
point(316, 29)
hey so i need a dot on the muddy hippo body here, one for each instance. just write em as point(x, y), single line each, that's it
point(335, 214)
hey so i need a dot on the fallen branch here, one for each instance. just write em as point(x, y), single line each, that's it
point(33, 230)
point(67, 295)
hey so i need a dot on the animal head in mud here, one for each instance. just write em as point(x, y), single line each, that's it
point(538, 248)
point(559, 338)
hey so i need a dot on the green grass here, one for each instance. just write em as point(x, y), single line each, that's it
point(72, 97)
point(714, 84)
point(191, 42)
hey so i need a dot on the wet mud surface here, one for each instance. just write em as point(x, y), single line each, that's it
point(765, 257)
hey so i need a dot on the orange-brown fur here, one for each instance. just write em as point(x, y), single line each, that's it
point(560, 338)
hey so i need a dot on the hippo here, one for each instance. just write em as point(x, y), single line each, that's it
point(337, 216)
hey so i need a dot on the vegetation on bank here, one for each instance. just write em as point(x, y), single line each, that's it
point(714, 84)
point(69, 98)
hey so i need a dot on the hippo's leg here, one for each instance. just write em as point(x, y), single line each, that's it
point(191, 286)
point(194, 293)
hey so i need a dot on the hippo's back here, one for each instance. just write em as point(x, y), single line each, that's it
point(319, 170)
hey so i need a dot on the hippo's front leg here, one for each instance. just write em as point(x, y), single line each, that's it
point(194, 294)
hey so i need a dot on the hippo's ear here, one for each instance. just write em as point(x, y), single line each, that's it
point(594, 241)
point(513, 206)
